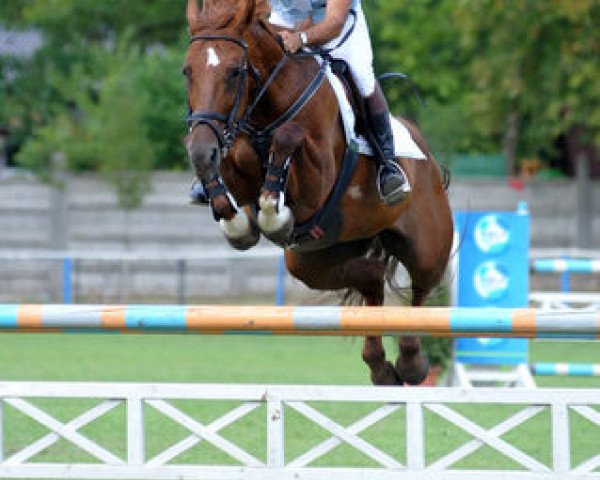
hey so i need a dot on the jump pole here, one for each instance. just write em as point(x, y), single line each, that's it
point(565, 265)
point(566, 369)
point(302, 320)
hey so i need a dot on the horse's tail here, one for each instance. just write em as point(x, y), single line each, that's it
point(402, 291)
point(446, 176)
point(351, 296)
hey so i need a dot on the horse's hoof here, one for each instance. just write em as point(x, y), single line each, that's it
point(275, 220)
point(240, 232)
point(414, 371)
point(387, 376)
point(243, 243)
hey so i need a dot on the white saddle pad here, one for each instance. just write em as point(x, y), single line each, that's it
point(404, 145)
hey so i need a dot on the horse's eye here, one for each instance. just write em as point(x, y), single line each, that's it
point(235, 72)
point(186, 70)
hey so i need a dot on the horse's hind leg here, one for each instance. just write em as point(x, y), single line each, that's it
point(366, 275)
point(422, 244)
point(344, 267)
point(412, 366)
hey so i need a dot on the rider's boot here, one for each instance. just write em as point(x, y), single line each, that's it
point(198, 194)
point(392, 181)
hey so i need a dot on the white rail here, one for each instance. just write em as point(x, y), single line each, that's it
point(274, 461)
point(116, 256)
point(563, 301)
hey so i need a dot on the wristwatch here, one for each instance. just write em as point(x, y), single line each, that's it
point(303, 38)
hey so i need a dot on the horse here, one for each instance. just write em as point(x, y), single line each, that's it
point(266, 141)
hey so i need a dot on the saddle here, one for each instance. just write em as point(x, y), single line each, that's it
point(342, 71)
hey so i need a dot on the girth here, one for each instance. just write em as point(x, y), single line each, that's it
point(324, 227)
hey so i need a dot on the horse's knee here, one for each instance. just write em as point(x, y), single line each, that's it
point(288, 138)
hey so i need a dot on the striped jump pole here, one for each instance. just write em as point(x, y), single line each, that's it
point(565, 266)
point(566, 369)
point(304, 320)
point(568, 265)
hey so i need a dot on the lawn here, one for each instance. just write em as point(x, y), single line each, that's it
point(256, 359)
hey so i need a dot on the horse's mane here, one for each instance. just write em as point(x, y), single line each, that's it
point(230, 14)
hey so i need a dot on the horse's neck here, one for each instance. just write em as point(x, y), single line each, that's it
point(319, 119)
point(288, 84)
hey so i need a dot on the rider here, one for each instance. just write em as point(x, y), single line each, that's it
point(324, 23)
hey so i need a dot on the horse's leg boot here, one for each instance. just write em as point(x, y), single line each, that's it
point(391, 181)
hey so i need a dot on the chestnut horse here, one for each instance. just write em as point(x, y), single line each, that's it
point(266, 141)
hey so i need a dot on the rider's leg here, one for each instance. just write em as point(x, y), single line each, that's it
point(356, 51)
point(198, 194)
point(392, 181)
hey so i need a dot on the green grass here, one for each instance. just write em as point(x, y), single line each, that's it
point(256, 359)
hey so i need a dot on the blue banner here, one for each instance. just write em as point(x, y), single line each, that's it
point(493, 271)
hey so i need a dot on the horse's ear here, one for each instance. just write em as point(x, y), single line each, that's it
point(193, 14)
point(262, 8)
point(245, 13)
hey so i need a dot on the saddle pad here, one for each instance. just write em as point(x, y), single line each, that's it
point(404, 145)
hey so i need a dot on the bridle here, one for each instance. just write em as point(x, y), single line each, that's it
point(227, 134)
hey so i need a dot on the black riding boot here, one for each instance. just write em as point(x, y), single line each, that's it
point(198, 194)
point(392, 182)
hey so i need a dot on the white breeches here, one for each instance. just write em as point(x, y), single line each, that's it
point(356, 51)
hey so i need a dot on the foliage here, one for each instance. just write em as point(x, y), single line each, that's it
point(153, 21)
point(103, 126)
point(537, 59)
point(488, 59)
point(103, 91)
point(476, 63)
point(438, 350)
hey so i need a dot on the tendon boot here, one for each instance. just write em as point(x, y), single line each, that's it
point(391, 180)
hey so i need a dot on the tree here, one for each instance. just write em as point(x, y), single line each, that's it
point(421, 40)
point(534, 67)
point(107, 95)
point(493, 73)
point(106, 128)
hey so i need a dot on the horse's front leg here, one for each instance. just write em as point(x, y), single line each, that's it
point(239, 228)
point(236, 222)
point(275, 219)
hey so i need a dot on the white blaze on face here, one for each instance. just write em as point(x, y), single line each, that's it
point(212, 59)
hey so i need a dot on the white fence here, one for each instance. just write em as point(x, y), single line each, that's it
point(70, 276)
point(309, 402)
point(561, 301)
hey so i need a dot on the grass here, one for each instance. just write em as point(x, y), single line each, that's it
point(257, 359)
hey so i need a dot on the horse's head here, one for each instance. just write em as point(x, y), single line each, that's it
point(218, 72)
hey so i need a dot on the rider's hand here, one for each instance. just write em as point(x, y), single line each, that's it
point(291, 41)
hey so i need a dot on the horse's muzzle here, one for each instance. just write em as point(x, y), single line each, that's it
point(204, 154)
